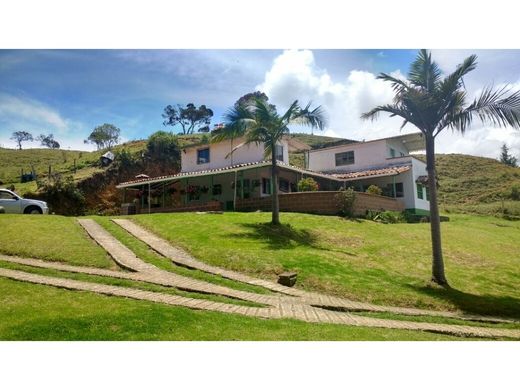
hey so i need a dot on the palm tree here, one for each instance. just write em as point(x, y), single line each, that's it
point(432, 103)
point(259, 122)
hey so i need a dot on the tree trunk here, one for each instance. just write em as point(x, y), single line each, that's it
point(274, 182)
point(435, 223)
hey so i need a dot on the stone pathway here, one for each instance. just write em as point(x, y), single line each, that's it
point(294, 303)
point(180, 257)
point(294, 311)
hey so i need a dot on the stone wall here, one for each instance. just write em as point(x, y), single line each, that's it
point(320, 202)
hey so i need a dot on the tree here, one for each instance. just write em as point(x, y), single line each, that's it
point(21, 136)
point(259, 122)
point(104, 136)
point(249, 98)
point(163, 147)
point(232, 132)
point(506, 158)
point(190, 118)
point(433, 103)
point(48, 141)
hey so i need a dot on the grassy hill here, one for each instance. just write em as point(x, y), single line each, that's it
point(467, 183)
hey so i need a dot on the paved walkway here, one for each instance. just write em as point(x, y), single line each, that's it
point(294, 311)
point(299, 304)
point(180, 257)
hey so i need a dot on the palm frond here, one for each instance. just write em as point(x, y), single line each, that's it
point(492, 107)
point(424, 72)
point(399, 86)
point(313, 118)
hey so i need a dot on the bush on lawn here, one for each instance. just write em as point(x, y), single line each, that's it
point(345, 201)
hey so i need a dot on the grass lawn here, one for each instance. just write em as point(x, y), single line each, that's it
point(50, 237)
point(34, 312)
point(363, 260)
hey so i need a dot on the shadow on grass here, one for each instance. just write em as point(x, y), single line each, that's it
point(283, 236)
point(475, 304)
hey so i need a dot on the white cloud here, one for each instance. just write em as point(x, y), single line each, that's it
point(21, 113)
point(295, 75)
point(29, 112)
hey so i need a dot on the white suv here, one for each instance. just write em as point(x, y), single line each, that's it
point(14, 204)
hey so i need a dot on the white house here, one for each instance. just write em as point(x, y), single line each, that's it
point(385, 162)
point(222, 173)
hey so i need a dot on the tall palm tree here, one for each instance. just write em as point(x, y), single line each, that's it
point(433, 103)
point(260, 123)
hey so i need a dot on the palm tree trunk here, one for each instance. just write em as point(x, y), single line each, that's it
point(435, 223)
point(274, 196)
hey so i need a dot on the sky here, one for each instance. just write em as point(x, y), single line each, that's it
point(70, 92)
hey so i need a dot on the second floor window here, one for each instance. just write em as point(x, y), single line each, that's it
point(345, 158)
point(278, 152)
point(203, 156)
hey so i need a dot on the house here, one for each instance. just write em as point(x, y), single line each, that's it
point(386, 163)
point(221, 176)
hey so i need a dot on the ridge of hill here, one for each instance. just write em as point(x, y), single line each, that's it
point(466, 183)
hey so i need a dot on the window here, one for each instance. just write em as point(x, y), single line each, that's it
point(203, 156)
point(392, 153)
point(217, 189)
point(427, 190)
point(266, 186)
point(346, 158)
point(7, 195)
point(402, 154)
point(399, 190)
point(278, 152)
point(284, 185)
point(420, 191)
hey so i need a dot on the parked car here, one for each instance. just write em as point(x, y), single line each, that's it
point(15, 204)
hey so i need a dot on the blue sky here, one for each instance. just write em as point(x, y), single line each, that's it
point(69, 92)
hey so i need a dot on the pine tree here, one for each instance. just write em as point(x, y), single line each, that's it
point(506, 158)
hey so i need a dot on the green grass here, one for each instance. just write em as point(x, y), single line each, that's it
point(34, 312)
point(50, 237)
point(362, 260)
point(144, 252)
point(126, 283)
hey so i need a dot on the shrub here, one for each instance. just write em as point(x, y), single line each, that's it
point(515, 192)
point(345, 200)
point(308, 184)
point(374, 190)
point(163, 147)
point(62, 195)
point(390, 217)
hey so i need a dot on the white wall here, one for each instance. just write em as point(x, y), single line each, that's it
point(366, 155)
point(419, 169)
point(398, 146)
point(219, 155)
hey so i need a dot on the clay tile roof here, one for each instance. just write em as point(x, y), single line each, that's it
point(372, 172)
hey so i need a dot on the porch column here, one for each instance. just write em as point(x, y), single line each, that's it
point(393, 186)
point(241, 184)
point(149, 198)
point(163, 201)
point(124, 195)
point(235, 193)
point(142, 197)
point(186, 191)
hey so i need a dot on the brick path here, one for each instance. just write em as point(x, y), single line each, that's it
point(298, 305)
point(180, 257)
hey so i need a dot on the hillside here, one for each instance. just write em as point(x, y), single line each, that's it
point(467, 183)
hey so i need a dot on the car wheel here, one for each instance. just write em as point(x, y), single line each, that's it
point(33, 210)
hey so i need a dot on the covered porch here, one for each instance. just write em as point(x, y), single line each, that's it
point(219, 189)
